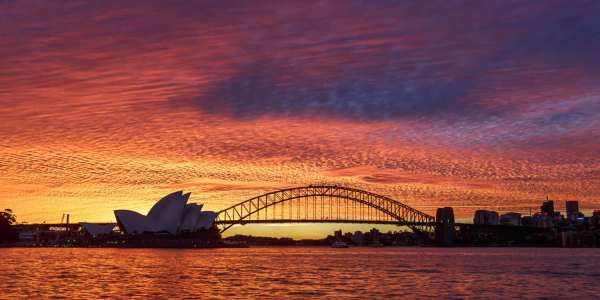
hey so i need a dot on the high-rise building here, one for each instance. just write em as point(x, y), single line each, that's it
point(572, 209)
point(595, 220)
point(548, 208)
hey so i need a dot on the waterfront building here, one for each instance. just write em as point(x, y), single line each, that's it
point(547, 207)
point(572, 208)
point(374, 233)
point(543, 221)
point(511, 218)
point(171, 214)
point(96, 229)
point(486, 217)
point(348, 236)
point(29, 235)
point(338, 234)
point(595, 219)
point(358, 238)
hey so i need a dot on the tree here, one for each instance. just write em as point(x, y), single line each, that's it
point(7, 232)
point(9, 216)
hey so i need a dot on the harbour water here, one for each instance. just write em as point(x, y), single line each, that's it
point(296, 272)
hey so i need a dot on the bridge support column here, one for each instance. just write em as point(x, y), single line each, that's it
point(444, 229)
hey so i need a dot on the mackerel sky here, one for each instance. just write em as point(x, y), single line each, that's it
point(470, 104)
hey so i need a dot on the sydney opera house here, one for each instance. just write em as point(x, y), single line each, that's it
point(171, 214)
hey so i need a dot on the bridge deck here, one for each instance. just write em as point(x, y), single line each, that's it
point(242, 222)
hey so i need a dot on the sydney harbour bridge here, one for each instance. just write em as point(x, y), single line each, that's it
point(324, 204)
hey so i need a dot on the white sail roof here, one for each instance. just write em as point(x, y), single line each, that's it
point(131, 221)
point(170, 214)
point(190, 217)
point(206, 219)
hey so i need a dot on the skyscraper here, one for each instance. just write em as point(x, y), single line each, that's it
point(572, 207)
point(548, 207)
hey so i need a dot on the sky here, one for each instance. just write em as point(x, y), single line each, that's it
point(472, 104)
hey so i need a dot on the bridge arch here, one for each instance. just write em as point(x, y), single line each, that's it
point(315, 204)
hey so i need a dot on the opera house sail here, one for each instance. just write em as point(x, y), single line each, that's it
point(170, 214)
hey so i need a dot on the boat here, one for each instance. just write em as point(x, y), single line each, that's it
point(339, 244)
point(376, 244)
point(234, 244)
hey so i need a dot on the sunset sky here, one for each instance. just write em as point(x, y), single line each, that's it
point(471, 104)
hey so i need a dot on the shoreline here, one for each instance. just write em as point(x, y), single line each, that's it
point(285, 246)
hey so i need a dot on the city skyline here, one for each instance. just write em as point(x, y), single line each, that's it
point(111, 105)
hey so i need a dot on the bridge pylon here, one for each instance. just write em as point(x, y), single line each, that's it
point(444, 228)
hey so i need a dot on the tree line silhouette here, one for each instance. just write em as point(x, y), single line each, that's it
point(7, 220)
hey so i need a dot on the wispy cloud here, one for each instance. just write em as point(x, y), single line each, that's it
point(439, 103)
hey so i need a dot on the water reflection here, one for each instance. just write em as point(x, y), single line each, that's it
point(300, 272)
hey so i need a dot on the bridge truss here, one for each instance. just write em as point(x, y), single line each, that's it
point(324, 204)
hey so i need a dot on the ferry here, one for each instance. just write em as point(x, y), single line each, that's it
point(339, 244)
